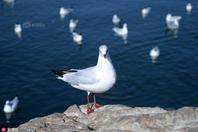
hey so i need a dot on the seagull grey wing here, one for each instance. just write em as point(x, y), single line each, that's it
point(15, 102)
point(81, 77)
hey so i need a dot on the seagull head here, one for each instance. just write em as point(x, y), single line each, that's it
point(7, 102)
point(168, 17)
point(103, 51)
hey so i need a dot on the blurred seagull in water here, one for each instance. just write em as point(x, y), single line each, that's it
point(18, 29)
point(73, 25)
point(172, 21)
point(77, 37)
point(121, 32)
point(154, 54)
point(9, 1)
point(115, 20)
point(145, 11)
point(189, 8)
point(95, 79)
point(11, 106)
point(64, 12)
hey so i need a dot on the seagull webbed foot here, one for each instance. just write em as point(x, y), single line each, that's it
point(97, 105)
point(90, 110)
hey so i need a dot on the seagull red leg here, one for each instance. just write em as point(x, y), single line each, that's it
point(95, 103)
point(89, 109)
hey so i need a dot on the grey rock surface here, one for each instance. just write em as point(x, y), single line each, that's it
point(115, 118)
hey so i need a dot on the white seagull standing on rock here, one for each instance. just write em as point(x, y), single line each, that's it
point(95, 79)
point(154, 53)
point(18, 29)
point(73, 25)
point(189, 8)
point(77, 37)
point(64, 12)
point(11, 106)
point(115, 19)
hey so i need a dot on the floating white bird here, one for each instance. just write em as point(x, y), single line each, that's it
point(18, 29)
point(11, 106)
point(9, 1)
point(115, 19)
point(172, 21)
point(95, 79)
point(64, 12)
point(189, 8)
point(73, 24)
point(121, 32)
point(77, 37)
point(154, 54)
point(169, 18)
point(146, 11)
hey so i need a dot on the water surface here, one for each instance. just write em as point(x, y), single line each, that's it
point(26, 63)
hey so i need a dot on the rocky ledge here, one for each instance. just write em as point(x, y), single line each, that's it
point(115, 118)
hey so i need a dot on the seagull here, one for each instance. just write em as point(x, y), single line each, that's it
point(154, 54)
point(18, 29)
point(9, 1)
point(95, 79)
point(172, 21)
point(169, 18)
point(189, 8)
point(77, 37)
point(73, 24)
point(121, 32)
point(146, 11)
point(64, 12)
point(11, 106)
point(115, 19)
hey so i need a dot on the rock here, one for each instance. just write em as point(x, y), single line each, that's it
point(115, 118)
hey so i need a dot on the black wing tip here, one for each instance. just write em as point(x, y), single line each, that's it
point(58, 72)
point(53, 70)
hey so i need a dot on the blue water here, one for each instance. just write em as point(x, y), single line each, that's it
point(26, 63)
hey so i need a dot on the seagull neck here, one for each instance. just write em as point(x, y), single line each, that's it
point(102, 62)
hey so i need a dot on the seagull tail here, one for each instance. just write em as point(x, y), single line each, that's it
point(60, 73)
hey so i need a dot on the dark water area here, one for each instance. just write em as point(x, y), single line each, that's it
point(46, 43)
